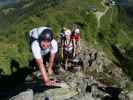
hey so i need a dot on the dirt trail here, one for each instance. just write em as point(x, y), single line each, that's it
point(99, 14)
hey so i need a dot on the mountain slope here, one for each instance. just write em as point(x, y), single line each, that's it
point(113, 33)
point(105, 28)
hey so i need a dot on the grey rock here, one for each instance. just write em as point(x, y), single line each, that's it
point(26, 95)
point(130, 95)
point(56, 94)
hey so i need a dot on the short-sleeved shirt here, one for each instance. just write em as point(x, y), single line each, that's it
point(75, 36)
point(37, 51)
point(68, 46)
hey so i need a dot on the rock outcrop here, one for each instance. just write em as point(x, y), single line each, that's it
point(97, 78)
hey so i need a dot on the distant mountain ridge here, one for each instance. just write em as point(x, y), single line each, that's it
point(4, 2)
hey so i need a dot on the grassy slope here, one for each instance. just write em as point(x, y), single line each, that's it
point(116, 32)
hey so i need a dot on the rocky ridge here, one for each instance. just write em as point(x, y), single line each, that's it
point(97, 78)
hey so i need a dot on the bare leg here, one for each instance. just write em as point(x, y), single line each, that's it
point(66, 64)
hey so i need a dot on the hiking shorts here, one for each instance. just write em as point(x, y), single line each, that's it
point(34, 65)
point(68, 54)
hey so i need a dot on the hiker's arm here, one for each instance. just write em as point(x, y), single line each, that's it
point(51, 61)
point(62, 50)
point(54, 50)
point(74, 47)
point(42, 69)
point(79, 45)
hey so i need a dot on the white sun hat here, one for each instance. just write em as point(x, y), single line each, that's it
point(77, 30)
point(68, 32)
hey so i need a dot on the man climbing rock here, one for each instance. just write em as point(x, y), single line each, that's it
point(44, 49)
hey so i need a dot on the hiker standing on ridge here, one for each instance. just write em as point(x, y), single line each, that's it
point(68, 48)
point(76, 39)
point(62, 39)
point(44, 49)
